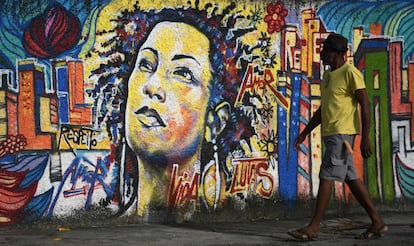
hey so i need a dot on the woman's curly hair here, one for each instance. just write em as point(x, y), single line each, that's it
point(130, 32)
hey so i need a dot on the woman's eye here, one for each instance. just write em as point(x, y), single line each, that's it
point(145, 65)
point(185, 73)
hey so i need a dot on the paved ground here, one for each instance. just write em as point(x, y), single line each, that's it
point(335, 231)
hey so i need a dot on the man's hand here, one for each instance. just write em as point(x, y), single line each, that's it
point(366, 147)
point(299, 140)
point(314, 122)
point(361, 96)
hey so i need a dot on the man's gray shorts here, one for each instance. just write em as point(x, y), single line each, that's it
point(337, 163)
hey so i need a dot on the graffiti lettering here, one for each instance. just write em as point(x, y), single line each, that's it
point(183, 188)
point(253, 81)
point(251, 175)
point(79, 137)
point(85, 177)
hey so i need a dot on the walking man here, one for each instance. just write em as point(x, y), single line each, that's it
point(342, 89)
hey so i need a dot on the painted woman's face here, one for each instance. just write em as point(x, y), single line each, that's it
point(168, 93)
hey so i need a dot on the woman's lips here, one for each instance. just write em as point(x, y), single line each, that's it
point(149, 117)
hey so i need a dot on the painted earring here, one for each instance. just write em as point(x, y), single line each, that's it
point(211, 180)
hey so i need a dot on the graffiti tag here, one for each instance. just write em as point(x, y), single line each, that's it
point(251, 176)
point(84, 178)
point(252, 81)
point(183, 188)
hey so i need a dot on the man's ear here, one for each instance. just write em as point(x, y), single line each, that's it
point(217, 120)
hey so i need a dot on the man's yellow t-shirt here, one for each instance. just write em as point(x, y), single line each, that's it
point(339, 106)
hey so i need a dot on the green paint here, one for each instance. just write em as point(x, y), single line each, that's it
point(379, 171)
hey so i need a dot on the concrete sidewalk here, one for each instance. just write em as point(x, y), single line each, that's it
point(334, 231)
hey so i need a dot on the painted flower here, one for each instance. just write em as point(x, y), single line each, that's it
point(275, 17)
point(52, 33)
point(264, 42)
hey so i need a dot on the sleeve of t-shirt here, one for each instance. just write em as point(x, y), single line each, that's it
point(356, 80)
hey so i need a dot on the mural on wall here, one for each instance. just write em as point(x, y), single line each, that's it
point(132, 108)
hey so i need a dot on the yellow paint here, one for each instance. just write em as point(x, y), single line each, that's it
point(8, 182)
point(45, 112)
point(69, 136)
point(316, 90)
point(3, 114)
point(4, 219)
point(2, 96)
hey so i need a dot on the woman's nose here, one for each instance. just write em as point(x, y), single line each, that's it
point(153, 89)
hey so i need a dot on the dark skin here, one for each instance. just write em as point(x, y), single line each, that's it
point(336, 59)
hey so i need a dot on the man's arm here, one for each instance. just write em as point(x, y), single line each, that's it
point(314, 122)
point(361, 96)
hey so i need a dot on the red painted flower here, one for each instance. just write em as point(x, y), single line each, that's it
point(275, 17)
point(52, 33)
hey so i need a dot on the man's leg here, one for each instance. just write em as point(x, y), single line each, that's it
point(361, 194)
point(322, 201)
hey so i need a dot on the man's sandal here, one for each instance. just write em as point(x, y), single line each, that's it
point(303, 235)
point(373, 233)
